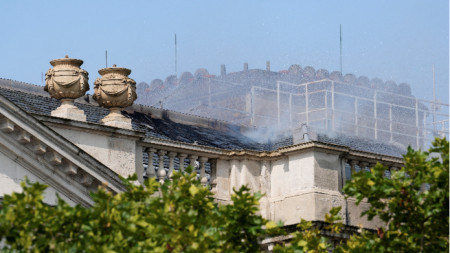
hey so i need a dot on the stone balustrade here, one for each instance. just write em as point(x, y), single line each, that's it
point(356, 164)
point(161, 164)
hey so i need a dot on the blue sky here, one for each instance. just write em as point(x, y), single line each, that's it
point(392, 40)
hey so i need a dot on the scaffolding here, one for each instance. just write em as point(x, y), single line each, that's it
point(325, 105)
point(354, 110)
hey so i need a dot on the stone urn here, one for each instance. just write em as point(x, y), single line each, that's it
point(67, 81)
point(115, 91)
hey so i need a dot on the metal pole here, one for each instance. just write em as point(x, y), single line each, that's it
point(176, 58)
point(106, 58)
point(340, 43)
point(326, 110)
point(356, 116)
point(434, 102)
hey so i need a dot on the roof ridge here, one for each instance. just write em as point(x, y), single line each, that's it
point(22, 82)
point(12, 84)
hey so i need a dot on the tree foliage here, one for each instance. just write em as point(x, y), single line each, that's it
point(181, 216)
point(413, 203)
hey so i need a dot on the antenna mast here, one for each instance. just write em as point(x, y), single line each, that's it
point(434, 102)
point(176, 70)
point(340, 44)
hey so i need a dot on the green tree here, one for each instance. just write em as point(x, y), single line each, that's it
point(179, 216)
point(413, 202)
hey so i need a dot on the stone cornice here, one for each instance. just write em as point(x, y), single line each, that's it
point(224, 154)
point(325, 147)
point(361, 155)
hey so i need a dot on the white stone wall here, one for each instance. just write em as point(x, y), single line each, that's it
point(302, 185)
point(117, 153)
point(12, 174)
point(223, 180)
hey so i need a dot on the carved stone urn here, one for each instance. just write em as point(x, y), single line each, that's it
point(67, 81)
point(115, 91)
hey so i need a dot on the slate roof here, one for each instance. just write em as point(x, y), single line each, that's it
point(356, 143)
point(164, 128)
point(161, 128)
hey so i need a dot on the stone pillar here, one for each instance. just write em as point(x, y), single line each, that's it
point(139, 163)
point(161, 170)
point(213, 177)
point(192, 159)
point(363, 165)
point(171, 162)
point(235, 174)
point(150, 167)
point(181, 158)
point(353, 163)
point(203, 178)
point(67, 81)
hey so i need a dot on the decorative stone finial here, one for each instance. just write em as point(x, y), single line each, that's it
point(115, 90)
point(67, 81)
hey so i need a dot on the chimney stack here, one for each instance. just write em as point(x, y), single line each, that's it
point(223, 70)
point(268, 65)
point(245, 66)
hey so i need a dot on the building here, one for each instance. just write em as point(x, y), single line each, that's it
point(76, 146)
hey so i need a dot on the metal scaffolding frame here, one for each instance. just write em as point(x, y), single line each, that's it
point(424, 119)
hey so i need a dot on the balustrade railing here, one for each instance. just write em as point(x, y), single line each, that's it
point(161, 164)
point(353, 165)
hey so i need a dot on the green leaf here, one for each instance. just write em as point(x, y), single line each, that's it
point(193, 190)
